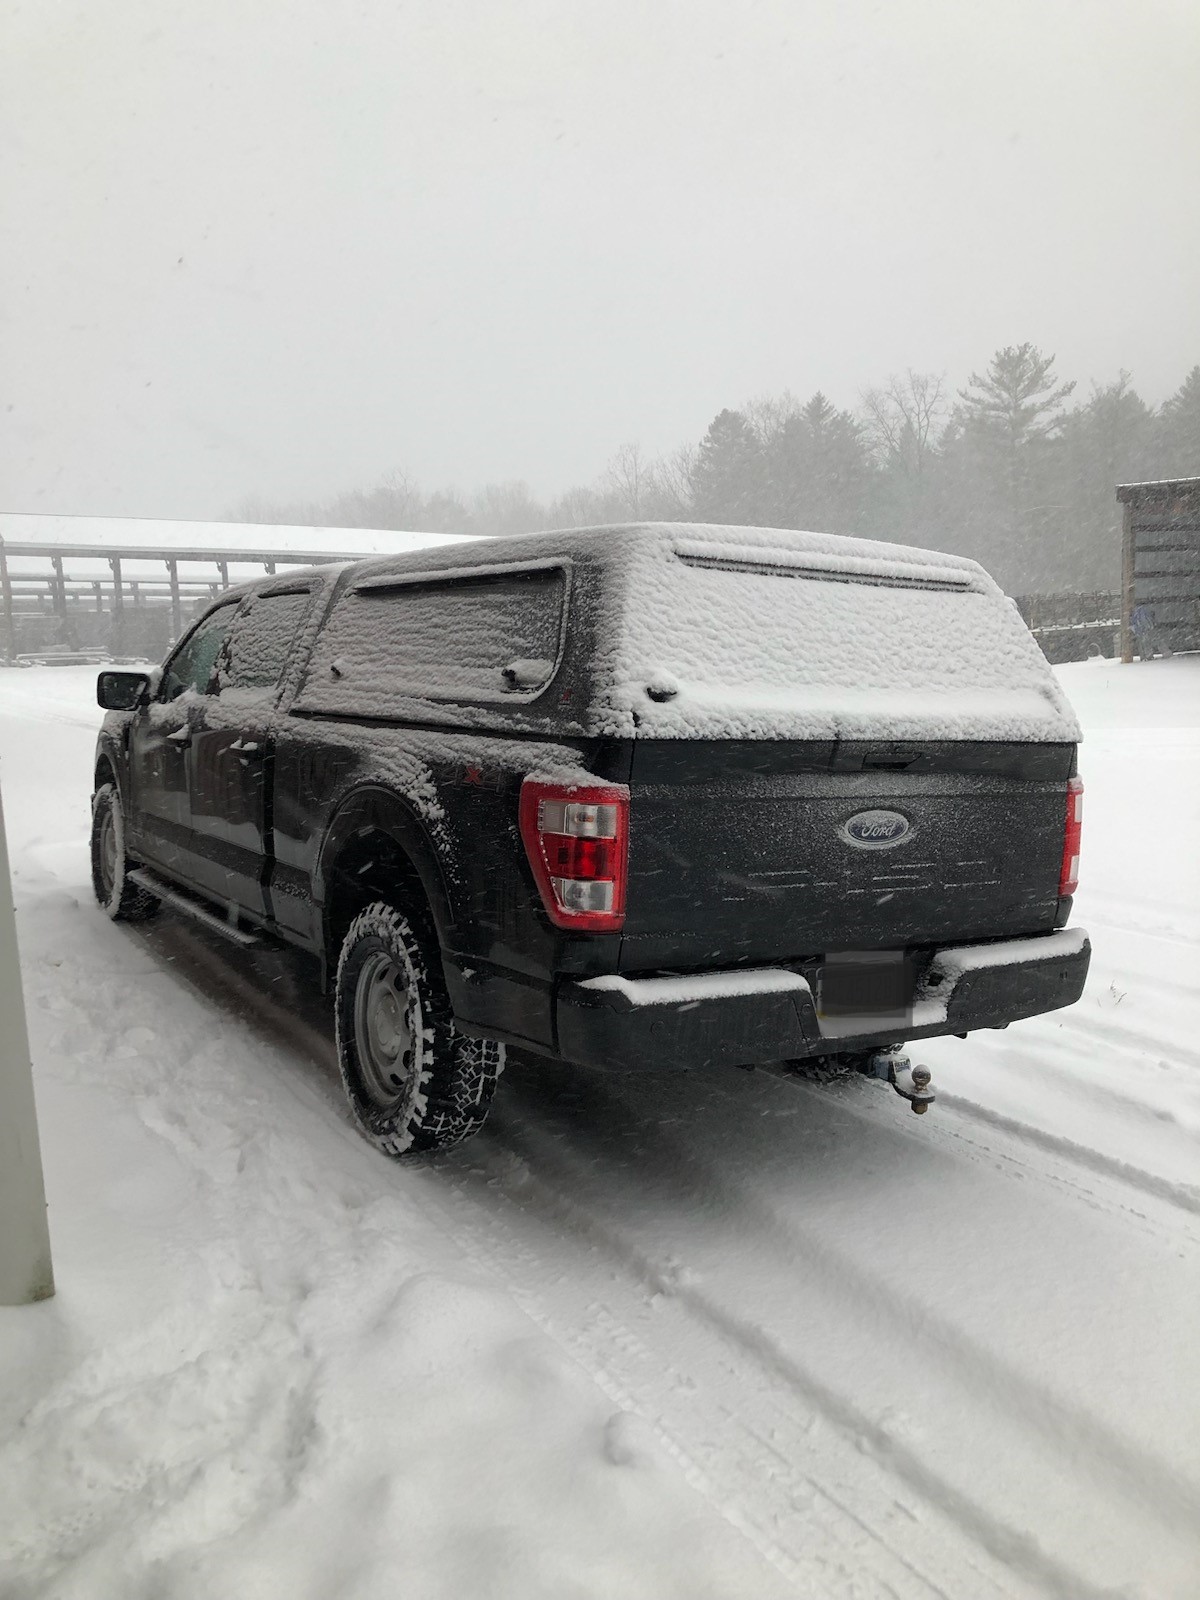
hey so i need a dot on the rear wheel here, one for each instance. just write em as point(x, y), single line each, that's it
point(122, 900)
point(415, 1084)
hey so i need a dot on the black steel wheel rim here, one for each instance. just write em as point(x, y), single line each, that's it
point(383, 1031)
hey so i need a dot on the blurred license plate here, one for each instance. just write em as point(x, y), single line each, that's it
point(875, 982)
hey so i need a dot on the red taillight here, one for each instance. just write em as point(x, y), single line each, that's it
point(577, 841)
point(1068, 878)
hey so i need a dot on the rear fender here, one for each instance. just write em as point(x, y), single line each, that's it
point(374, 809)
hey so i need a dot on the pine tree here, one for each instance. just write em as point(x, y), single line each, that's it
point(818, 469)
point(444, 512)
point(726, 476)
point(1104, 442)
point(1018, 399)
point(1177, 447)
point(1011, 417)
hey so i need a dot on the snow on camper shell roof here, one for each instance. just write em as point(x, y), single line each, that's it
point(760, 633)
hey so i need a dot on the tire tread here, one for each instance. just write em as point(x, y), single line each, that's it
point(126, 901)
point(457, 1075)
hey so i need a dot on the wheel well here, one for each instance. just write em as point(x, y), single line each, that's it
point(371, 866)
point(104, 773)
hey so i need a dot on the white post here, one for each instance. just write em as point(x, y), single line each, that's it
point(25, 1270)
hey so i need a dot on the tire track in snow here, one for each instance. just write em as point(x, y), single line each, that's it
point(1050, 1056)
point(1146, 977)
point(1181, 1195)
point(1133, 1040)
point(1007, 1545)
point(1132, 1471)
point(543, 1172)
point(798, 1512)
point(827, 1535)
point(1129, 1116)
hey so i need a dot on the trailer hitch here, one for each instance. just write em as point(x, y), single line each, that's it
point(912, 1083)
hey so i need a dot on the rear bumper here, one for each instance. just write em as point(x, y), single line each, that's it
point(769, 1014)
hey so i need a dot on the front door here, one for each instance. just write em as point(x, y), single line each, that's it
point(160, 748)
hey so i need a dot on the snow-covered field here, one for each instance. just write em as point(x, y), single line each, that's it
point(715, 1335)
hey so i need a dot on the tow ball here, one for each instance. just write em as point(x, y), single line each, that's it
point(913, 1083)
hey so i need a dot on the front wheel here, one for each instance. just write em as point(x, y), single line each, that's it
point(122, 900)
point(415, 1084)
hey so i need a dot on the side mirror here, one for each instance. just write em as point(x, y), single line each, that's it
point(122, 691)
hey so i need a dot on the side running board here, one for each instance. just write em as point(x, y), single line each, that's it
point(180, 900)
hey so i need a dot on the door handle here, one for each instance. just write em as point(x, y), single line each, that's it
point(898, 762)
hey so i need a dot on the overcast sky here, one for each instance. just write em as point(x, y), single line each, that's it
point(283, 247)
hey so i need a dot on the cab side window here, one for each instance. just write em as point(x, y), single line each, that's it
point(261, 640)
point(191, 667)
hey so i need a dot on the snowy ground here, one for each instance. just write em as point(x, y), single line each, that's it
point(718, 1335)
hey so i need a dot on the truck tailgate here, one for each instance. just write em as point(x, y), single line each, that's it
point(739, 849)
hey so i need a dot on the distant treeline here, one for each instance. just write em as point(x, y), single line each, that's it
point(1010, 470)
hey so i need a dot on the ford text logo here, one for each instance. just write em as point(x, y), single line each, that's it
point(875, 830)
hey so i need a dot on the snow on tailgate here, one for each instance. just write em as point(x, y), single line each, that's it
point(758, 633)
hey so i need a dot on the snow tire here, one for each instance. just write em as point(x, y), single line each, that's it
point(121, 900)
point(415, 1084)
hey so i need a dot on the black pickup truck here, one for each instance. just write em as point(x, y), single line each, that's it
point(658, 793)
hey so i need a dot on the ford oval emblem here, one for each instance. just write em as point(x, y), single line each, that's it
point(876, 830)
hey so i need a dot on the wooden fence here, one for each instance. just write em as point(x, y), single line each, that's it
point(64, 583)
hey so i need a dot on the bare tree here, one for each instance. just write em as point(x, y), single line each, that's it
point(628, 476)
point(904, 418)
point(395, 502)
point(585, 506)
point(769, 415)
point(253, 508)
point(506, 508)
point(668, 492)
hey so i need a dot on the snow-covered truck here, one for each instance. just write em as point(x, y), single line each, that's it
point(658, 794)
